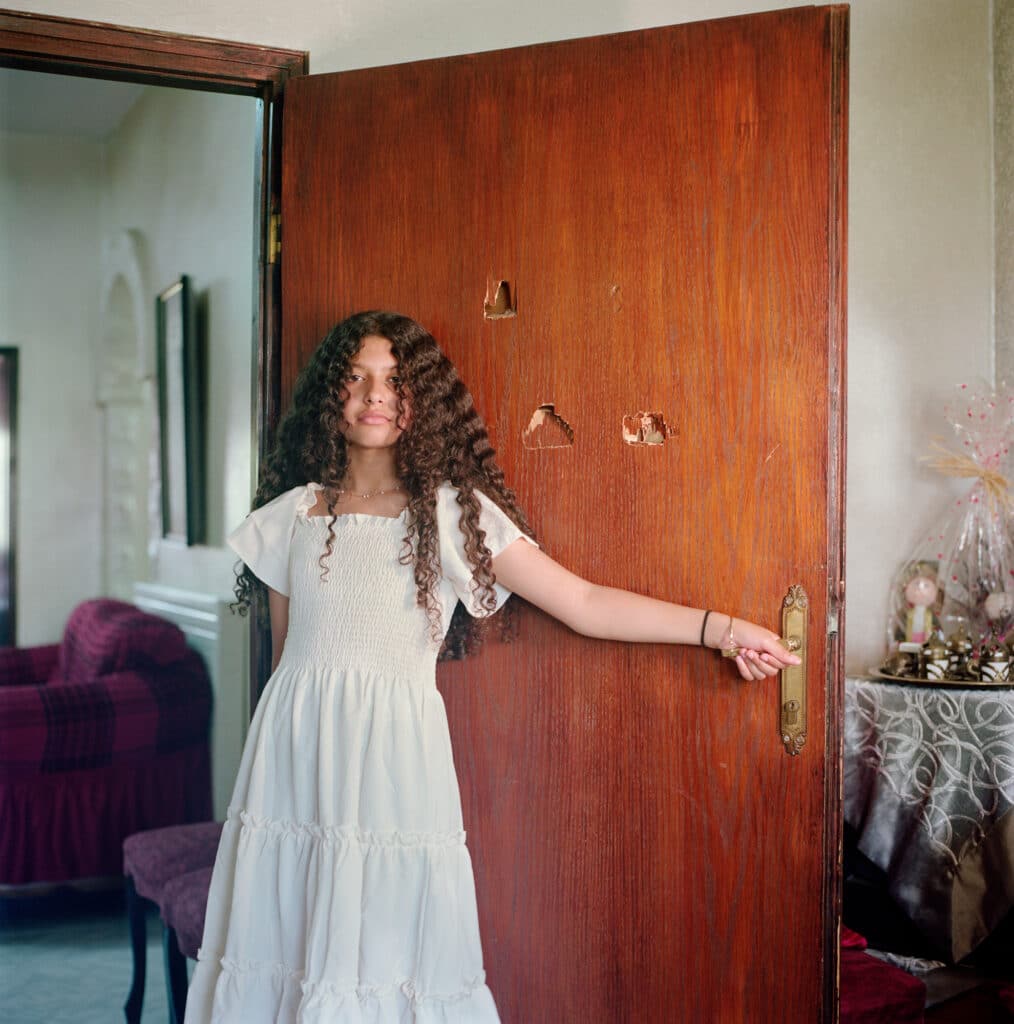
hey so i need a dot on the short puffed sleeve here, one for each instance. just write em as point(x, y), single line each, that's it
point(500, 533)
point(263, 539)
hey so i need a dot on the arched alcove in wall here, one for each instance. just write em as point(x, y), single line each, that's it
point(126, 394)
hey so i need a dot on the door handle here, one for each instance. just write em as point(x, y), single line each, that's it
point(792, 705)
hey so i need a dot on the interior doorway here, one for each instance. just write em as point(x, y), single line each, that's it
point(121, 383)
point(113, 54)
point(111, 191)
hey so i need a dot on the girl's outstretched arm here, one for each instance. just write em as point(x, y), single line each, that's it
point(611, 614)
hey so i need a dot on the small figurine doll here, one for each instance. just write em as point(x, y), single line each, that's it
point(920, 593)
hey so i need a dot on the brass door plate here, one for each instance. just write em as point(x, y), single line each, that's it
point(792, 707)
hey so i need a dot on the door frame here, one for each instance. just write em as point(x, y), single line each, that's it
point(90, 49)
point(834, 824)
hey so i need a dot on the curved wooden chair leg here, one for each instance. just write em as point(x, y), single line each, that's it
point(175, 976)
point(136, 920)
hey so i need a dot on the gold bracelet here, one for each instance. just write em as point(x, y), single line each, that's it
point(730, 649)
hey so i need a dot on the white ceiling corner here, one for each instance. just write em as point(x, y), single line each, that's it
point(35, 103)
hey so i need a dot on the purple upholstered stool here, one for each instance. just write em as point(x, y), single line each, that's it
point(184, 901)
point(152, 861)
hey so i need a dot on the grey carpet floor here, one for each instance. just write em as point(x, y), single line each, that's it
point(67, 961)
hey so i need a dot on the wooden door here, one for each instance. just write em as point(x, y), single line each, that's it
point(668, 209)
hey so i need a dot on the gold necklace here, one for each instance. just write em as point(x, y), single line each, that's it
point(367, 494)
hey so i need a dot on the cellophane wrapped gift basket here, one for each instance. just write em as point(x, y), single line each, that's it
point(951, 608)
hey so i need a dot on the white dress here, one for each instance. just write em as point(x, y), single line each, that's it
point(343, 889)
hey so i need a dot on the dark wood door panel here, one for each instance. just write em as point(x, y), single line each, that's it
point(662, 205)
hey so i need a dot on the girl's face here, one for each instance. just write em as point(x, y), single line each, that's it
point(375, 414)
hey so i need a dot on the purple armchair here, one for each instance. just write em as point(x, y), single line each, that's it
point(102, 735)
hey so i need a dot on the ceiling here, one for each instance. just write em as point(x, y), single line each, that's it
point(41, 104)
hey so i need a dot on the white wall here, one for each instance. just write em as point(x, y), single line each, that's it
point(920, 207)
point(1003, 182)
point(920, 275)
point(49, 282)
point(181, 173)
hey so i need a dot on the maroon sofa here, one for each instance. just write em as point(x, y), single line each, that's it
point(102, 735)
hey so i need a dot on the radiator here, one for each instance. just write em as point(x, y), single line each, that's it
point(222, 639)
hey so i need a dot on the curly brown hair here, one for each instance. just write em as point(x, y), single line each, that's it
point(445, 441)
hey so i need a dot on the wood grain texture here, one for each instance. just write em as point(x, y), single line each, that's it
point(161, 58)
point(662, 204)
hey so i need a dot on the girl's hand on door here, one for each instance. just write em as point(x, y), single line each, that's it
point(760, 653)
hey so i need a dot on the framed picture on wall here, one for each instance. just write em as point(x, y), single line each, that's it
point(181, 415)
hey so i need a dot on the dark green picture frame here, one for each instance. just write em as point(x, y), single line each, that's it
point(181, 415)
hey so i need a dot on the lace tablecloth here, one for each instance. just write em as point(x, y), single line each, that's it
point(929, 786)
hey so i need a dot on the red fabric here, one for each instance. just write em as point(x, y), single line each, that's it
point(28, 666)
point(153, 857)
point(873, 992)
point(69, 825)
point(104, 636)
point(184, 904)
point(109, 737)
point(1005, 996)
point(851, 939)
point(120, 717)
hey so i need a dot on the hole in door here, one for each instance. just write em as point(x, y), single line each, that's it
point(547, 429)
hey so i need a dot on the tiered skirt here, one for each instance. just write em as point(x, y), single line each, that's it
point(343, 890)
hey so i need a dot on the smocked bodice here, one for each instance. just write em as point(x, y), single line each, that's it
point(363, 613)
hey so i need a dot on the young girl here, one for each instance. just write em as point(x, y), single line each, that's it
point(343, 890)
